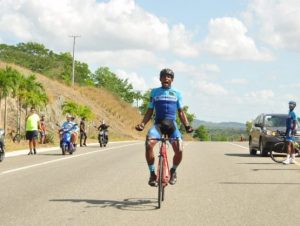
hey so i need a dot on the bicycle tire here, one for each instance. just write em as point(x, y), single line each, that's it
point(17, 138)
point(160, 181)
point(279, 152)
point(2, 153)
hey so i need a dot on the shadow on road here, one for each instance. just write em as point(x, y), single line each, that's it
point(241, 155)
point(51, 154)
point(257, 163)
point(130, 204)
point(257, 183)
point(274, 169)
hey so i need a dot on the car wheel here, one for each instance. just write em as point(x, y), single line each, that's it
point(252, 151)
point(263, 151)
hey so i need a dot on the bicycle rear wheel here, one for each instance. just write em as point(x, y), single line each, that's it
point(17, 138)
point(2, 152)
point(279, 152)
point(160, 181)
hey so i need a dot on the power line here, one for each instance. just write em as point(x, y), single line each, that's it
point(73, 64)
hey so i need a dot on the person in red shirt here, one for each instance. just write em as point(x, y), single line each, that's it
point(42, 130)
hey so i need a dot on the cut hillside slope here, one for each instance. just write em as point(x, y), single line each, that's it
point(121, 116)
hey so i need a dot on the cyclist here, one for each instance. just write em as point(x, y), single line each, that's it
point(32, 127)
point(291, 126)
point(166, 101)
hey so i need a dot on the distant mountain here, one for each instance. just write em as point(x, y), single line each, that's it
point(219, 125)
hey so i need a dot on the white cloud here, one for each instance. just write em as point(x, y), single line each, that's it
point(129, 59)
point(103, 26)
point(261, 94)
point(181, 42)
point(209, 88)
point(210, 68)
point(190, 70)
point(228, 38)
point(238, 81)
point(137, 81)
point(279, 22)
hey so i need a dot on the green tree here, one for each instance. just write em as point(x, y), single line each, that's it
point(28, 92)
point(189, 116)
point(145, 102)
point(83, 75)
point(103, 77)
point(34, 93)
point(248, 126)
point(201, 133)
point(137, 97)
point(7, 85)
point(77, 110)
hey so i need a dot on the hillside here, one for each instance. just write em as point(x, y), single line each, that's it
point(121, 116)
point(223, 131)
point(219, 125)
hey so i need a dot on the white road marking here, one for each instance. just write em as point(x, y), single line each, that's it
point(238, 145)
point(62, 159)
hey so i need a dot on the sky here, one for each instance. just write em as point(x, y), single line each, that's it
point(232, 59)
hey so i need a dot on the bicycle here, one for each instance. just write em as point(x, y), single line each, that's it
point(279, 151)
point(163, 169)
point(15, 136)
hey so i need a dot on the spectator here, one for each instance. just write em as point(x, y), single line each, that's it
point(32, 127)
point(83, 135)
point(42, 130)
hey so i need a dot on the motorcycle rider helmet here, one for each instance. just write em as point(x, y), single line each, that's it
point(166, 71)
point(68, 115)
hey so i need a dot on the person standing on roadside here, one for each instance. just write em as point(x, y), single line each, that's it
point(83, 135)
point(42, 130)
point(291, 130)
point(32, 126)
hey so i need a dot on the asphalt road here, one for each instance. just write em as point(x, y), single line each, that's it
point(218, 184)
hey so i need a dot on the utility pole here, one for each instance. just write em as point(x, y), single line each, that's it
point(73, 64)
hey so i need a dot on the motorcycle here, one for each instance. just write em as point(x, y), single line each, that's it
point(65, 142)
point(2, 146)
point(103, 137)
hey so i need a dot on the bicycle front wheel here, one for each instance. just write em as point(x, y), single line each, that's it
point(279, 152)
point(160, 181)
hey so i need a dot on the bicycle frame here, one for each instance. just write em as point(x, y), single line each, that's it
point(163, 169)
point(165, 172)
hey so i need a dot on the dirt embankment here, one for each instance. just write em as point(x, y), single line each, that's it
point(121, 116)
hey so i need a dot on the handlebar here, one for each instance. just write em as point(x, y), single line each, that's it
point(163, 138)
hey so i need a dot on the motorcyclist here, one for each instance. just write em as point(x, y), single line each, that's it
point(72, 127)
point(104, 127)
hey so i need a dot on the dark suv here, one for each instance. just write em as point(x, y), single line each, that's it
point(263, 134)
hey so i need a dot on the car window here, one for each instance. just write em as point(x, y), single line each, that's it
point(256, 121)
point(275, 120)
point(260, 119)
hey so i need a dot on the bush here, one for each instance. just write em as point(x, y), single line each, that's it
point(49, 138)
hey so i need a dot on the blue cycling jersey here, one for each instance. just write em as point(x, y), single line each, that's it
point(289, 121)
point(166, 102)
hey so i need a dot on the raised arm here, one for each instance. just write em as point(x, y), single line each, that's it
point(145, 120)
point(184, 121)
